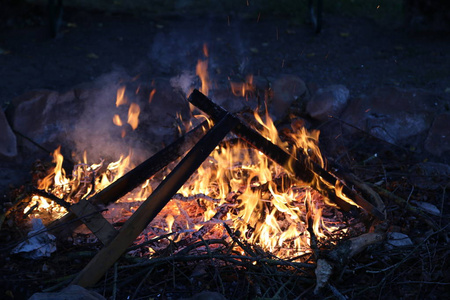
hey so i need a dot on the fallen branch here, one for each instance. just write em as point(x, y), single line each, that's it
point(338, 258)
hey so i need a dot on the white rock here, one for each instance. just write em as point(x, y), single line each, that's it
point(397, 239)
point(427, 207)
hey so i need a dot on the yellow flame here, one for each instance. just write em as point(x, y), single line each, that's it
point(205, 50)
point(170, 220)
point(202, 72)
point(338, 187)
point(133, 115)
point(57, 176)
point(121, 99)
point(117, 121)
point(152, 94)
point(242, 89)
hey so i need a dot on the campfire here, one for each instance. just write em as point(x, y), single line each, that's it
point(233, 189)
point(237, 185)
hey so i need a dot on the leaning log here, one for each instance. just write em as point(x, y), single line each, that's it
point(302, 167)
point(135, 177)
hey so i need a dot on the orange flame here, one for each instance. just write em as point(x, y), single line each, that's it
point(117, 121)
point(133, 115)
point(57, 176)
point(152, 94)
point(202, 71)
point(242, 89)
point(121, 99)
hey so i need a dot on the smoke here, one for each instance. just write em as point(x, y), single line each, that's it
point(94, 131)
point(183, 82)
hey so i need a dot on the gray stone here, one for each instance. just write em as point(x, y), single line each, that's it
point(329, 101)
point(44, 116)
point(397, 239)
point(286, 90)
point(81, 119)
point(72, 292)
point(438, 139)
point(8, 142)
point(427, 207)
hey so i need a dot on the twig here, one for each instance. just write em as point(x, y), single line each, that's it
point(336, 293)
point(142, 282)
point(395, 266)
point(114, 293)
point(149, 241)
point(423, 282)
point(368, 134)
point(443, 201)
point(236, 259)
point(62, 282)
point(400, 201)
point(414, 250)
point(203, 242)
point(237, 241)
point(312, 235)
point(47, 229)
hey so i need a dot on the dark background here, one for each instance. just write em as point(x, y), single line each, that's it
point(364, 44)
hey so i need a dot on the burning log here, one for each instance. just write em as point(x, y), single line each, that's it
point(303, 168)
point(106, 257)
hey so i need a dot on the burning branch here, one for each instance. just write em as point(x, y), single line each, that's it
point(303, 168)
point(138, 175)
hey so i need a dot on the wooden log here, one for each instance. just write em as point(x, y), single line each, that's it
point(106, 257)
point(338, 258)
point(89, 214)
point(94, 220)
point(135, 177)
point(302, 167)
